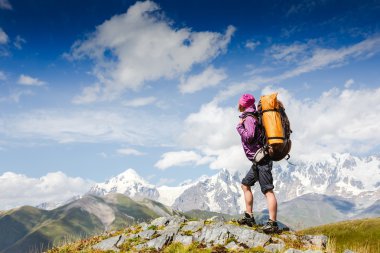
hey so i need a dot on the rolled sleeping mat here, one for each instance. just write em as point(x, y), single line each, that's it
point(272, 119)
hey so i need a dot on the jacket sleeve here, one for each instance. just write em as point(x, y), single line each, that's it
point(247, 129)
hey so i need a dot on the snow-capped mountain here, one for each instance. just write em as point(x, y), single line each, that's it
point(128, 183)
point(218, 193)
point(54, 205)
point(350, 177)
point(342, 175)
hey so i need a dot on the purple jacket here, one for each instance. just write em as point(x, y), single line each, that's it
point(250, 134)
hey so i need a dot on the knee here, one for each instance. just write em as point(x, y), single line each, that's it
point(269, 193)
point(245, 187)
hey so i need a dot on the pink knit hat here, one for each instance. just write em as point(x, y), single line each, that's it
point(246, 100)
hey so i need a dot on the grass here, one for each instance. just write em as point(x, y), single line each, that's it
point(192, 248)
point(360, 236)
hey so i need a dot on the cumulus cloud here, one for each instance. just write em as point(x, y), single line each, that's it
point(179, 158)
point(142, 45)
point(4, 4)
point(212, 131)
point(208, 78)
point(91, 126)
point(339, 120)
point(3, 37)
point(138, 102)
point(29, 81)
point(19, 189)
point(129, 151)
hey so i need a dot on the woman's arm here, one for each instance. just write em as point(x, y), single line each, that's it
point(246, 129)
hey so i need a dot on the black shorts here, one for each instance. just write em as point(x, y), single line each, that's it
point(261, 172)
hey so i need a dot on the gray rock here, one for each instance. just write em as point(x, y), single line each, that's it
point(147, 234)
point(291, 237)
point(131, 236)
point(121, 240)
point(319, 241)
point(216, 218)
point(184, 239)
point(173, 229)
point(312, 251)
point(248, 236)
point(196, 236)
point(233, 246)
point(161, 221)
point(348, 251)
point(141, 246)
point(144, 225)
point(193, 226)
point(176, 220)
point(110, 243)
point(291, 250)
point(165, 238)
point(276, 240)
point(275, 247)
point(213, 234)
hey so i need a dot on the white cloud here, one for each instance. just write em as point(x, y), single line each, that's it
point(316, 58)
point(303, 7)
point(4, 4)
point(251, 44)
point(91, 126)
point(15, 95)
point(129, 151)
point(208, 78)
point(19, 41)
point(142, 45)
point(212, 127)
point(138, 102)
point(178, 158)
point(30, 81)
point(349, 83)
point(288, 53)
point(3, 37)
point(324, 58)
point(18, 189)
point(212, 131)
point(337, 121)
point(89, 94)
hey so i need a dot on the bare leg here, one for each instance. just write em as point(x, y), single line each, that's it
point(272, 205)
point(248, 197)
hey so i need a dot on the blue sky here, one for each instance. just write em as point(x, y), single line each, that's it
point(91, 88)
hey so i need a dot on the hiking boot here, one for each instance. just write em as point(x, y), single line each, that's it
point(270, 227)
point(247, 219)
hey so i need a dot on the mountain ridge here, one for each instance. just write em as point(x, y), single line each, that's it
point(340, 175)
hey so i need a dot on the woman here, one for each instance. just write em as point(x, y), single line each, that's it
point(252, 140)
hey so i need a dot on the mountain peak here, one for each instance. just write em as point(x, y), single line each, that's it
point(129, 183)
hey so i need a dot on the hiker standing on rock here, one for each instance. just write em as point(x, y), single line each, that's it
point(252, 140)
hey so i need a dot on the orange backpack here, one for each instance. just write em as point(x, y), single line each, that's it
point(277, 127)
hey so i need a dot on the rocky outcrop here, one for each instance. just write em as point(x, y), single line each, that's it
point(165, 231)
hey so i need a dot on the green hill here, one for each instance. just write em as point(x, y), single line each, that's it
point(360, 236)
point(29, 228)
